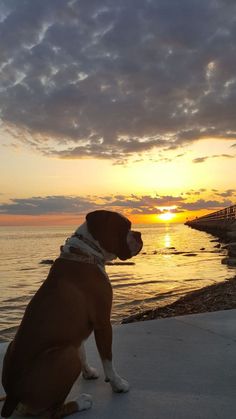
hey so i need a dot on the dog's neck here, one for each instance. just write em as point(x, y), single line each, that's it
point(85, 243)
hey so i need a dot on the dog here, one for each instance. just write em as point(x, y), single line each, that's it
point(47, 354)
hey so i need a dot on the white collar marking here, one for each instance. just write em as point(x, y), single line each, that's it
point(89, 246)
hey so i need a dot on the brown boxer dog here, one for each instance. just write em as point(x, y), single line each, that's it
point(47, 354)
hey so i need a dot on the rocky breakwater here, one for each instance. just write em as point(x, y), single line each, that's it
point(223, 228)
point(227, 240)
point(230, 260)
point(221, 224)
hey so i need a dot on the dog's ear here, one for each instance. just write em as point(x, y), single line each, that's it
point(96, 222)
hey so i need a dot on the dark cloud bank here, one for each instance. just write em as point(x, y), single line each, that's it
point(132, 204)
point(109, 78)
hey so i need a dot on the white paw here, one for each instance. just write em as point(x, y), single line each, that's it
point(119, 385)
point(84, 402)
point(90, 373)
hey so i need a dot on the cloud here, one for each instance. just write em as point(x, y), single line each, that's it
point(203, 159)
point(201, 204)
point(113, 78)
point(144, 204)
point(47, 205)
point(228, 193)
point(200, 159)
point(127, 204)
point(193, 192)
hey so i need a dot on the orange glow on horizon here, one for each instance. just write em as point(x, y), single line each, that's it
point(77, 219)
point(41, 220)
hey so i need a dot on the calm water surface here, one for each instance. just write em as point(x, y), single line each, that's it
point(160, 275)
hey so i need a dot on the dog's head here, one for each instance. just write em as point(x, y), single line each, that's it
point(114, 234)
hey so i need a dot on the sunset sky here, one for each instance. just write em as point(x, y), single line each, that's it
point(128, 105)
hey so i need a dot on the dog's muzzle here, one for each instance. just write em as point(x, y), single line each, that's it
point(134, 242)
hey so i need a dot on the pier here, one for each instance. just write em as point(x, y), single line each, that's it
point(220, 223)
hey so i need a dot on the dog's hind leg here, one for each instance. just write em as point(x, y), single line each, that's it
point(89, 373)
point(83, 402)
point(49, 382)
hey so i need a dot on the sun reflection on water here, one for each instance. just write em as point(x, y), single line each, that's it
point(167, 237)
point(167, 240)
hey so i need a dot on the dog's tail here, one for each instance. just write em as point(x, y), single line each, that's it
point(9, 406)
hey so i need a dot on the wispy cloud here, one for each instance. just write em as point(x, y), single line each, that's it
point(108, 79)
point(203, 159)
point(200, 159)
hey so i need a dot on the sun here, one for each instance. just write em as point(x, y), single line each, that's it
point(166, 216)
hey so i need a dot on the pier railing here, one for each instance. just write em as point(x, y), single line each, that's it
point(226, 214)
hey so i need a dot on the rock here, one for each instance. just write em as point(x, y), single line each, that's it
point(217, 246)
point(155, 252)
point(231, 261)
point(230, 244)
point(120, 263)
point(231, 247)
point(190, 254)
point(232, 234)
point(46, 262)
point(232, 253)
point(203, 248)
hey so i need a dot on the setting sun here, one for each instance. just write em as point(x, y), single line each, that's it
point(166, 216)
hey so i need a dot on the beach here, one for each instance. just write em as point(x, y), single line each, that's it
point(215, 297)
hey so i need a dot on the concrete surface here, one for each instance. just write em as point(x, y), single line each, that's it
point(178, 368)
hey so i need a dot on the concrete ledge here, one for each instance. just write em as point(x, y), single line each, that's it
point(178, 368)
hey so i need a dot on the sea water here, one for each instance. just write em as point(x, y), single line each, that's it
point(170, 264)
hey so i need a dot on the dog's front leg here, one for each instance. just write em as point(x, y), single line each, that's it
point(88, 372)
point(103, 338)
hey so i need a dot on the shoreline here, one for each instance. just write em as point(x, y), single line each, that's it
point(216, 297)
